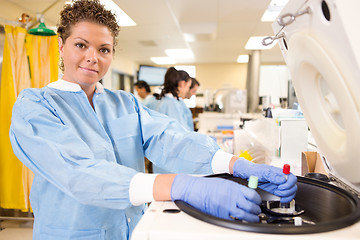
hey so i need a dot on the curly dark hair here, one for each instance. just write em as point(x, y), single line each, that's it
point(86, 11)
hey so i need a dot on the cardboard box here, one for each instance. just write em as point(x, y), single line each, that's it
point(311, 162)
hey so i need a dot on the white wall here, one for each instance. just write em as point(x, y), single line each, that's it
point(219, 75)
point(274, 82)
point(121, 65)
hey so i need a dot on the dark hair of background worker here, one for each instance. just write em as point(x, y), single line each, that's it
point(142, 88)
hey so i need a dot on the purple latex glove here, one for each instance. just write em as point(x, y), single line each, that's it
point(219, 197)
point(271, 179)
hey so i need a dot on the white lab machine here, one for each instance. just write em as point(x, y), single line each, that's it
point(210, 122)
point(320, 42)
point(226, 100)
point(235, 101)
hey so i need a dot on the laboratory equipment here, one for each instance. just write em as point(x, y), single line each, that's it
point(235, 101)
point(258, 140)
point(331, 212)
point(286, 169)
point(319, 41)
point(289, 207)
point(322, 52)
point(209, 122)
point(253, 182)
point(226, 100)
point(265, 102)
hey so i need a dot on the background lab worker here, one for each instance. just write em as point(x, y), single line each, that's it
point(86, 146)
point(176, 86)
point(144, 91)
point(193, 88)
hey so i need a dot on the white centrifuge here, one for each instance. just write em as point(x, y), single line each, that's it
point(320, 42)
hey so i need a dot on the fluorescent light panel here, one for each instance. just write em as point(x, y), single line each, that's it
point(189, 37)
point(273, 10)
point(254, 43)
point(243, 59)
point(163, 60)
point(181, 53)
point(190, 69)
point(122, 18)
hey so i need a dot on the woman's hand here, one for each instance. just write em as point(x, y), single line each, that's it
point(271, 179)
point(219, 197)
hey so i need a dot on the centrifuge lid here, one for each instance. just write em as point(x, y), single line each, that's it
point(325, 72)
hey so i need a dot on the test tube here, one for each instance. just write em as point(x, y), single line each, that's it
point(286, 171)
point(253, 182)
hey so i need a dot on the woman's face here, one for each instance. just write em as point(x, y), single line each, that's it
point(87, 54)
point(184, 88)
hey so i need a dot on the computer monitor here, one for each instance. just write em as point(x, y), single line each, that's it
point(154, 76)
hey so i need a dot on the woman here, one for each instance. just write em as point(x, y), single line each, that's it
point(176, 87)
point(86, 146)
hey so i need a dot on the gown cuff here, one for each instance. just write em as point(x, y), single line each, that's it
point(141, 188)
point(220, 162)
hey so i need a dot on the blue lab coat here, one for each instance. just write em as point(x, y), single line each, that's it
point(84, 159)
point(176, 109)
point(151, 102)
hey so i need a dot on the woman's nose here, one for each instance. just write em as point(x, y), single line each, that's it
point(91, 55)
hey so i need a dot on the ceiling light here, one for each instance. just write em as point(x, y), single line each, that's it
point(122, 18)
point(181, 53)
point(255, 43)
point(163, 60)
point(273, 10)
point(190, 69)
point(199, 31)
point(243, 59)
point(189, 37)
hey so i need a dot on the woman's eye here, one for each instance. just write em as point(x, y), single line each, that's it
point(105, 50)
point(80, 45)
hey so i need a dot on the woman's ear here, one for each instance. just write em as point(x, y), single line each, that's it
point(61, 46)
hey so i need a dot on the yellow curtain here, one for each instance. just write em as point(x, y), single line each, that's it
point(43, 57)
point(42, 52)
point(43, 60)
point(14, 78)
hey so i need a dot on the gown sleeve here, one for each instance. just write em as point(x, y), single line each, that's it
point(170, 146)
point(52, 150)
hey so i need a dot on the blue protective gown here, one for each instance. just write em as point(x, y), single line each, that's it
point(176, 109)
point(151, 102)
point(84, 160)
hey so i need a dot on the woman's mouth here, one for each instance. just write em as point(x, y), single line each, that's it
point(88, 69)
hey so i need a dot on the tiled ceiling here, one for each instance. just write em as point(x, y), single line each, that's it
point(221, 27)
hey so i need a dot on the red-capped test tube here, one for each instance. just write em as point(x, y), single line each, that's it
point(286, 171)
